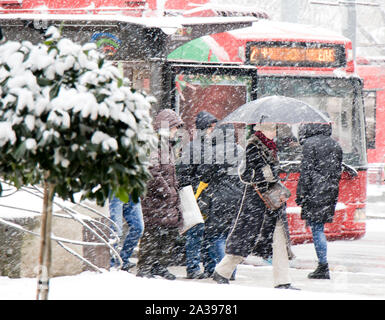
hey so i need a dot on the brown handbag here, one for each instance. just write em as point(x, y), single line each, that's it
point(275, 197)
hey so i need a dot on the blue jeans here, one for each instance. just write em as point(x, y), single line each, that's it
point(213, 251)
point(132, 213)
point(319, 240)
point(194, 238)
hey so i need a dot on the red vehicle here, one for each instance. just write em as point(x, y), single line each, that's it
point(311, 64)
point(373, 73)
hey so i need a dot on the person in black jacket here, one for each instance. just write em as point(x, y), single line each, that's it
point(209, 163)
point(256, 229)
point(220, 200)
point(188, 172)
point(318, 186)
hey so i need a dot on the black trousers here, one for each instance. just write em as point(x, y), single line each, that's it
point(156, 247)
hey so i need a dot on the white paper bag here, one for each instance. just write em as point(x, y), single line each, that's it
point(190, 209)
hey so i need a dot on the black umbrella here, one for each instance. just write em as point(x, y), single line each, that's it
point(276, 109)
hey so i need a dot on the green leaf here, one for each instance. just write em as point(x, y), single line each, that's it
point(122, 195)
point(54, 91)
point(48, 42)
point(51, 47)
point(16, 181)
point(26, 56)
point(100, 97)
point(44, 82)
point(20, 151)
point(120, 82)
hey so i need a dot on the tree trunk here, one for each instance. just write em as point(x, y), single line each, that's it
point(45, 243)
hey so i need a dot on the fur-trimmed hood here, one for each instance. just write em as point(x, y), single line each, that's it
point(167, 118)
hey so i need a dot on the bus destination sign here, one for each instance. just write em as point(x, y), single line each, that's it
point(296, 54)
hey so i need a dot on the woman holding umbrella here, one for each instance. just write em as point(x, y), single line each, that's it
point(257, 229)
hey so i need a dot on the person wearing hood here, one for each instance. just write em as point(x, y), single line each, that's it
point(193, 153)
point(188, 173)
point(161, 205)
point(220, 200)
point(256, 228)
point(318, 186)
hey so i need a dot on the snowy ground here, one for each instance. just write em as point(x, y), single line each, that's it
point(254, 279)
point(253, 283)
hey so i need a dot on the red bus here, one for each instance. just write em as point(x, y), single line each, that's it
point(311, 64)
point(372, 70)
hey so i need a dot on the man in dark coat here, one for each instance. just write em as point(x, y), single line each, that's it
point(161, 206)
point(318, 186)
point(193, 153)
point(212, 163)
point(220, 200)
point(192, 157)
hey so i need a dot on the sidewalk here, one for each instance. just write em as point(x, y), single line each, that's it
point(375, 206)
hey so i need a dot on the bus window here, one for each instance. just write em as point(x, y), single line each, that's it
point(288, 146)
point(332, 96)
point(370, 98)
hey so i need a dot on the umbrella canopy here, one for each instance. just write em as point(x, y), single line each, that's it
point(276, 109)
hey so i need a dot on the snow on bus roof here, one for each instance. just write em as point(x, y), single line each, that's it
point(291, 31)
point(149, 22)
point(229, 10)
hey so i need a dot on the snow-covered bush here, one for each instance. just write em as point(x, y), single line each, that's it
point(67, 117)
point(69, 121)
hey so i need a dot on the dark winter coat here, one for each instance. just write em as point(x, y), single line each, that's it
point(193, 153)
point(214, 160)
point(253, 227)
point(220, 200)
point(161, 206)
point(320, 173)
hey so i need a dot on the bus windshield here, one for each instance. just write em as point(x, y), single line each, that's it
point(339, 98)
point(220, 94)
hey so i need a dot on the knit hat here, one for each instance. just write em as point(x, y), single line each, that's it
point(204, 120)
